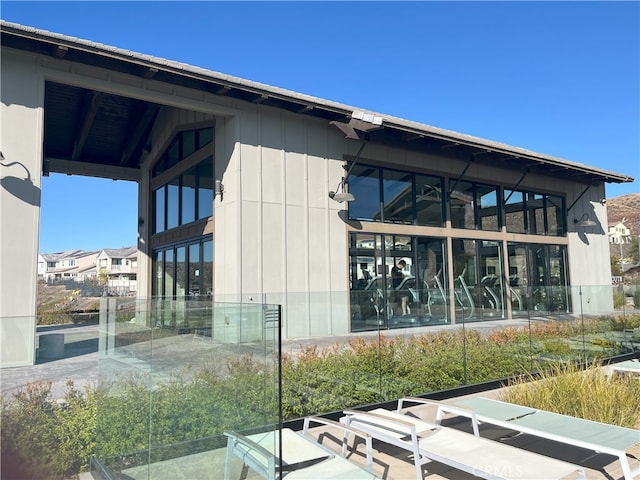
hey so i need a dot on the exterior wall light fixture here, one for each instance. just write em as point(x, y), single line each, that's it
point(356, 129)
point(341, 196)
point(219, 188)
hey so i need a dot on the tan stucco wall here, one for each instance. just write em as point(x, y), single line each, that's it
point(279, 237)
point(21, 126)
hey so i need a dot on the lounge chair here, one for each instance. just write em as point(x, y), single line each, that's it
point(601, 437)
point(478, 456)
point(629, 366)
point(303, 458)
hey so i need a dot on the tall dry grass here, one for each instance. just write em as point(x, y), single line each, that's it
point(592, 394)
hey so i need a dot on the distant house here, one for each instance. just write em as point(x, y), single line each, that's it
point(121, 267)
point(70, 264)
point(619, 233)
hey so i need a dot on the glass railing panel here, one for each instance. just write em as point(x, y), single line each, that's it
point(175, 384)
point(326, 368)
point(124, 386)
point(494, 351)
point(605, 334)
point(21, 349)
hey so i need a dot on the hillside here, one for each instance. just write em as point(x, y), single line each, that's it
point(57, 304)
point(625, 207)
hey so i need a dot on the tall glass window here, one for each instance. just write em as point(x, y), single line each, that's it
point(555, 217)
point(181, 271)
point(157, 288)
point(207, 267)
point(364, 184)
point(194, 270)
point(188, 197)
point(490, 290)
point(538, 278)
point(205, 188)
point(169, 273)
point(159, 207)
point(182, 146)
point(535, 213)
point(391, 196)
point(514, 211)
point(488, 212)
point(188, 143)
point(173, 203)
point(462, 205)
point(397, 197)
point(478, 279)
point(428, 197)
point(173, 153)
point(184, 270)
point(397, 281)
point(205, 137)
point(474, 205)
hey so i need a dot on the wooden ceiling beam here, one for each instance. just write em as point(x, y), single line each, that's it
point(89, 110)
point(142, 122)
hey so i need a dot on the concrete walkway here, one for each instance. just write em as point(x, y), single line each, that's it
point(78, 362)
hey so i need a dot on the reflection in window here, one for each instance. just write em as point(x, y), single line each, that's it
point(538, 278)
point(194, 270)
point(173, 199)
point(555, 217)
point(364, 184)
point(169, 274)
point(159, 207)
point(190, 275)
point(401, 201)
point(188, 199)
point(205, 137)
point(514, 211)
point(487, 207)
point(474, 205)
point(397, 197)
point(207, 267)
point(429, 200)
point(188, 143)
point(535, 213)
point(182, 146)
point(205, 188)
point(173, 153)
point(462, 206)
point(157, 287)
point(413, 294)
point(181, 271)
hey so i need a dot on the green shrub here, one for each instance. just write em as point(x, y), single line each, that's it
point(556, 347)
point(636, 298)
point(619, 299)
point(46, 440)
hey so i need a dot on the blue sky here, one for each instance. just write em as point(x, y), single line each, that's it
point(560, 78)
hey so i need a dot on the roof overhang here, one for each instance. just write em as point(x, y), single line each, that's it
point(137, 117)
